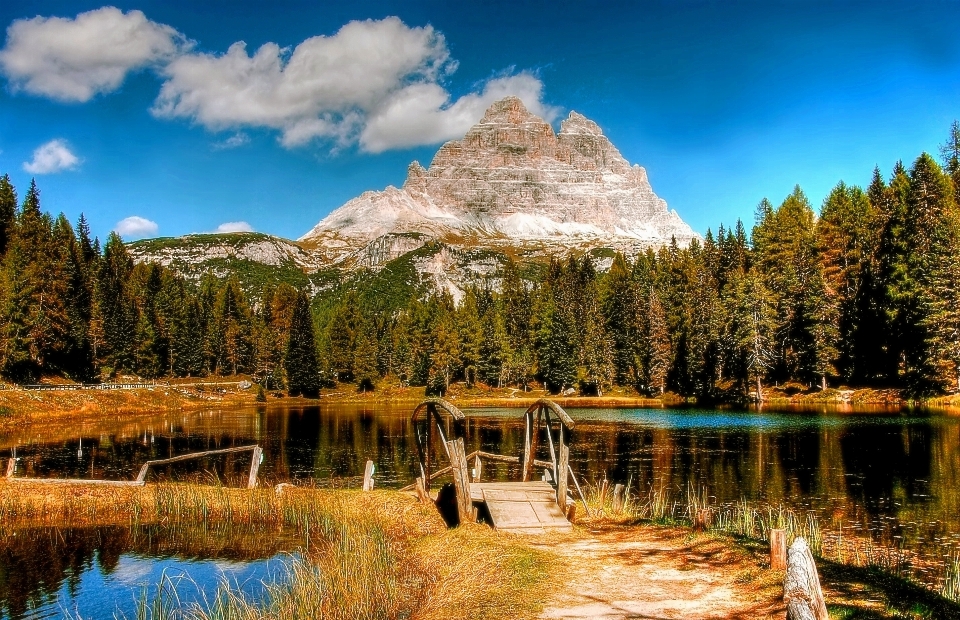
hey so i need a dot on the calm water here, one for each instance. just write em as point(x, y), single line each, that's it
point(888, 474)
point(103, 572)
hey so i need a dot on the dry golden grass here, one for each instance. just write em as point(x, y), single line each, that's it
point(363, 555)
point(18, 407)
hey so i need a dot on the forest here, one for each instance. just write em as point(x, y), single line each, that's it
point(865, 293)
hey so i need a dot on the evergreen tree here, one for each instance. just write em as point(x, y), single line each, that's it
point(8, 211)
point(751, 328)
point(34, 295)
point(365, 357)
point(115, 320)
point(556, 363)
point(660, 346)
point(302, 368)
point(471, 335)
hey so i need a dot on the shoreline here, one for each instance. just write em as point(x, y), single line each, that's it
point(30, 407)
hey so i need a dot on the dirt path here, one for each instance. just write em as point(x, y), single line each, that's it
point(654, 572)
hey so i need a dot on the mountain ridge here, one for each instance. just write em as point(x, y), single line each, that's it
point(513, 180)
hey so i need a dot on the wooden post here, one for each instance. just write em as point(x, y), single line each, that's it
point(427, 453)
point(461, 480)
point(602, 496)
point(11, 467)
point(571, 511)
point(477, 468)
point(368, 476)
point(527, 446)
point(801, 586)
point(778, 549)
point(617, 498)
point(254, 467)
point(422, 494)
point(562, 477)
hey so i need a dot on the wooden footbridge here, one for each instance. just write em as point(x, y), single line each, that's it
point(526, 505)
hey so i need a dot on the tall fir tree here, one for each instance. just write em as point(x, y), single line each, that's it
point(300, 362)
point(8, 211)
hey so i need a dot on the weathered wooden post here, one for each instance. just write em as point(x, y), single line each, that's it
point(428, 453)
point(562, 466)
point(477, 468)
point(528, 455)
point(254, 467)
point(11, 467)
point(461, 480)
point(617, 498)
point(421, 491)
point(801, 586)
point(778, 549)
point(368, 476)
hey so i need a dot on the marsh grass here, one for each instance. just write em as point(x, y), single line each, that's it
point(694, 507)
point(361, 555)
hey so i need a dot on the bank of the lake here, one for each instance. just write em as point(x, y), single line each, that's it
point(53, 406)
point(384, 554)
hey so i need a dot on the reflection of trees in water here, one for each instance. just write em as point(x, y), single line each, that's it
point(36, 563)
point(857, 471)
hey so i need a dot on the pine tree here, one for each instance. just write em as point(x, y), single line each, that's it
point(302, 368)
point(8, 211)
point(365, 357)
point(751, 328)
point(950, 153)
point(114, 313)
point(556, 363)
point(342, 335)
point(471, 334)
point(74, 359)
point(445, 349)
point(186, 349)
point(660, 346)
point(34, 295)
point(620, 310)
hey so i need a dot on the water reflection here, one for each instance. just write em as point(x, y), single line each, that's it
point(102, 572)
point(884, 472)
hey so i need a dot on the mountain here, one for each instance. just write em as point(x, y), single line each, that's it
point(511, 181)
point(511, 188)
point(258, 260)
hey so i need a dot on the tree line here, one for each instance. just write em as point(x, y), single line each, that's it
point(867, 292)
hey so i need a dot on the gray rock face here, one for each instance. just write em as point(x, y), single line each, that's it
point(512, 181)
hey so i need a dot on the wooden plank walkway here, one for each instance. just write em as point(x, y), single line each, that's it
point(526, 507)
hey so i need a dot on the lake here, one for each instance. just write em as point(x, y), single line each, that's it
point(892, 475)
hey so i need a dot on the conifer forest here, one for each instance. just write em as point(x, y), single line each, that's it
point(864, 293)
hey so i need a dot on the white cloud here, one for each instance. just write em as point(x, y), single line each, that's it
point(317, 90)
point(74, 59)
point(235, 141)
point(231, 227)
point(54, 156)
point(136, 227)
point(373, 82)
point(423, 114)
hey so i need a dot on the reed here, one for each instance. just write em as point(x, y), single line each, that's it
point(361, 555)
point(951, 578)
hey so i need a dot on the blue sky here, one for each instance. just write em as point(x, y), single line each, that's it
point(120, 114)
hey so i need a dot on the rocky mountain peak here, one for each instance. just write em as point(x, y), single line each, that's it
point(511, 180)
point(577, 123)
point(509, 110)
